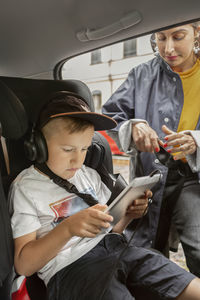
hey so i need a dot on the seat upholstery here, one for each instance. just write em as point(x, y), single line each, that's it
point(14, 124)
point(33, 92)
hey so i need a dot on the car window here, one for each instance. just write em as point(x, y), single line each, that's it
point(103, 70)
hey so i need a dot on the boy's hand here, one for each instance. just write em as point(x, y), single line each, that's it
point(134, 211)
point(138, 207)
point(88, 222)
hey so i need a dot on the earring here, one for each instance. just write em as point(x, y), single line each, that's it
point(196, 47)
point(156, 51)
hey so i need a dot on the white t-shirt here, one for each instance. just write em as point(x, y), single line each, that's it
point(38, 204)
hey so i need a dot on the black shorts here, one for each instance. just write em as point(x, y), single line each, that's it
point(100, 274)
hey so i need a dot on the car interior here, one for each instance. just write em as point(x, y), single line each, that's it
point(36, 40)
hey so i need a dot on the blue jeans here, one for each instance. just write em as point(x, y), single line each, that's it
point(186, 218)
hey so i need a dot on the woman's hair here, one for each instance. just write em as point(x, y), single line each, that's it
point(195, 24)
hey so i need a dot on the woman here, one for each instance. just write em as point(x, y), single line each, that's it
point(159, 104)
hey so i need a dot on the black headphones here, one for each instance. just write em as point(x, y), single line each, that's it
point(36, 147)
point(36, 150)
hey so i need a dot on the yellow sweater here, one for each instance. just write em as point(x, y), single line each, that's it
point(191, 106)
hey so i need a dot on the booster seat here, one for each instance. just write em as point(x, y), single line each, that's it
point(24, 113)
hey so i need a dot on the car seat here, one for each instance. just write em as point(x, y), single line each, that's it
point(32, 94)
point(10, 128)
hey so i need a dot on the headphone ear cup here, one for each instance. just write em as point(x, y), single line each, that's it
point(41, 147)
point(30, 148)
point(94, 157)
point(36, 147)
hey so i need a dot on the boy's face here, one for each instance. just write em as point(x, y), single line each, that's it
point(67, 151)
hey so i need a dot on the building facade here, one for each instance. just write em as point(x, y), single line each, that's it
point(103, 70)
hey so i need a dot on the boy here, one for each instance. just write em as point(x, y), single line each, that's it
point(47, 220)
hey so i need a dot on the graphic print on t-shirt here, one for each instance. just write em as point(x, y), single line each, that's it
point(68, 206)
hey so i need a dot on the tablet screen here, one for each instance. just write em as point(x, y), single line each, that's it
point(134, 190)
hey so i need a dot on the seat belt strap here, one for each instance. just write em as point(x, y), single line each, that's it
point(68, 186)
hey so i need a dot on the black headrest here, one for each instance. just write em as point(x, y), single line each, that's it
point(34, 92)
point(13, 117)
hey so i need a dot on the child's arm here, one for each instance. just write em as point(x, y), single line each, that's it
point(32, 254)
point(134, 211)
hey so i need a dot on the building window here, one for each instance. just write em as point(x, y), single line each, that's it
point(97, 100)
point(96, 57)
point(130, 48)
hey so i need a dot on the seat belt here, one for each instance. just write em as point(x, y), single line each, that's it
point(119, 184)
point(68, 186)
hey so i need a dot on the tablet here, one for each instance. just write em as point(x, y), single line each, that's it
point(119, 205)
point(134, 190)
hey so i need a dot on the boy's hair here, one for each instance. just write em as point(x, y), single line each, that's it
point(76, 124)
point(72, 125)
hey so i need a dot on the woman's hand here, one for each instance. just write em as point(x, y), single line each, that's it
point(88, 222)
point(145, 138)
point(181, 143)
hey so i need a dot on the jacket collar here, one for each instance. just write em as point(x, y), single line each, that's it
point(165, 66)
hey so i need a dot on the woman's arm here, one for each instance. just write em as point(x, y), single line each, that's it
point(120, 105)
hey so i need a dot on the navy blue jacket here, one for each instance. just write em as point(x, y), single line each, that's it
point(152, 92)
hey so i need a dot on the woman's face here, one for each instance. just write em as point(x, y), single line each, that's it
point(176, 47)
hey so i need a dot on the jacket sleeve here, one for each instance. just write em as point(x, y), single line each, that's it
point(120, 106)
point(194, 159)
point(125, 136)
point(124, 140)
